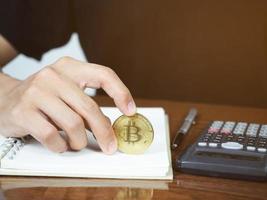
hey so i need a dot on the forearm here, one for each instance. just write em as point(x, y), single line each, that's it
point(7, 51)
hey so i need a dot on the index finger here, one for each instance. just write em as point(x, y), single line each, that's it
point(98, 76)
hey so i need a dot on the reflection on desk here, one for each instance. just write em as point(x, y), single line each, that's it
point(121, 189)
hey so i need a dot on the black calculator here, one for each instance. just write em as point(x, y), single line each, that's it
point(228, 149)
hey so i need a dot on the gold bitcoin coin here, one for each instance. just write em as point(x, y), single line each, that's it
point(134, 133)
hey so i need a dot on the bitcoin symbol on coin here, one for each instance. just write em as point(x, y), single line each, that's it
point(131, 133)
point(134, 133)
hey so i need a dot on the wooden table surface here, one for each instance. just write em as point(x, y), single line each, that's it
point(183, 186)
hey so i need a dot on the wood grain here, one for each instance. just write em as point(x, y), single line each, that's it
point(184, 186)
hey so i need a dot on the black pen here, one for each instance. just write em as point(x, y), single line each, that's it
point(188, 121)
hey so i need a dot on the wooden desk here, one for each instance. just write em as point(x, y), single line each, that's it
point(183, 186)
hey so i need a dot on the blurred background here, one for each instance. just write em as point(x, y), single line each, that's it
point(188, 50)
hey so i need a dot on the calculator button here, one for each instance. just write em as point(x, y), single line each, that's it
point(217, 124)
point(252, 138)
point(263, 131)
point(240, 128)
point(232, 145)
point(212, 144)
point(260, 141)
point(215, 127)
point(216, 141)
point(213, 130)
point(228, 127)
point(253, 142)
point(252, 129)
point(250, 144)
point(262, 150)
point(202, 144)
point(250, 148)
point(240, 138)
point(261, 145)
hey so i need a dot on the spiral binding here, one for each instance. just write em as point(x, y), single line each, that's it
point(10, 147)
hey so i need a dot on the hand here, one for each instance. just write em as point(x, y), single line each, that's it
point(53, 98)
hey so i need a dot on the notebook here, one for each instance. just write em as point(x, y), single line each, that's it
point(30, 158)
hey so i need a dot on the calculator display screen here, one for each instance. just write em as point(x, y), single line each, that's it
point(228, 156)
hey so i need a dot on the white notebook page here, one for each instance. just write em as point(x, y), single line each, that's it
point(154, 162)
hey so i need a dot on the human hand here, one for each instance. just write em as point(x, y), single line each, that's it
point(53, 99)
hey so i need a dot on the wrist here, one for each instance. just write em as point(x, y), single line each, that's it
point(7, 83)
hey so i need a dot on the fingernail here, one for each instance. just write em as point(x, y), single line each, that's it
point(131, 107)
point(112, 147)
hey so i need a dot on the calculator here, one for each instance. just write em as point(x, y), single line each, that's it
point(228, 149)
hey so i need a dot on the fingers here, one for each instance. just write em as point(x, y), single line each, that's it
point(96, 76)
point(99, 124)
point(65, 118)
point(45, 132)
point(67, 105)
point(115, 88)
point(89, 110)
